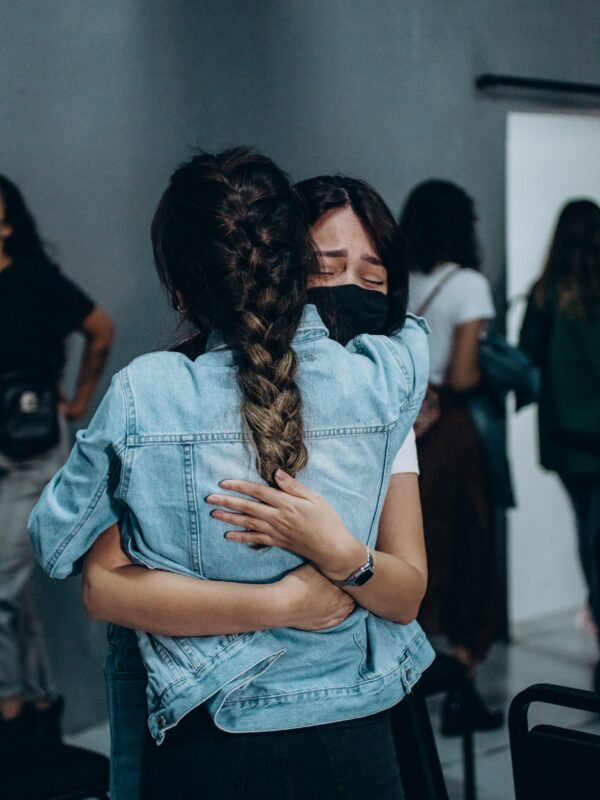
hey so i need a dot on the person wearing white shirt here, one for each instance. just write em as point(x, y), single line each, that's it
point(449, 290)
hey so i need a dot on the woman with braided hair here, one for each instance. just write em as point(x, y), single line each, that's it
point(243, 706)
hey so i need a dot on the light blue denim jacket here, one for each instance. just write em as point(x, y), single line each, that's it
point(167, 431)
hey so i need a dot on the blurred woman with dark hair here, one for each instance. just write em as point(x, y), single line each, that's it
point(561, 333)
point(39, 308)
point(447, 287)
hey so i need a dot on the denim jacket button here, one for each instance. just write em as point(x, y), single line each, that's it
point(161, 721)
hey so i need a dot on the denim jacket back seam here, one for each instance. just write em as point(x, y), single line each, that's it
point(130, 409)
point(192, 504)
point(142, 439)
point(382, 488)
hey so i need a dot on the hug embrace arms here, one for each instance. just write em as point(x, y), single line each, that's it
point(106, 481)
point(309, 424)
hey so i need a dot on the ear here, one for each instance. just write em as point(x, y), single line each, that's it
point(6, 230)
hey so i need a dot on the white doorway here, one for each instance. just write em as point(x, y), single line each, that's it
point(551, 158)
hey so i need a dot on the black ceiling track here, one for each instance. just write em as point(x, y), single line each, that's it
point(490, 81)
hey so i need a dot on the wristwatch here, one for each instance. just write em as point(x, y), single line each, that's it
point(360, 576)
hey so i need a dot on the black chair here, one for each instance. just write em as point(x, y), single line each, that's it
point(447, 674)
point(58, 772)
point(549, 761)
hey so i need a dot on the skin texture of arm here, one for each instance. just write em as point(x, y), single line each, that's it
point(398, 586)
point(99, 332)
point(300, 520)
point(463, 372)
point(163, 603)
point(174, 605)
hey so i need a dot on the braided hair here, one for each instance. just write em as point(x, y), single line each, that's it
point(231, 236)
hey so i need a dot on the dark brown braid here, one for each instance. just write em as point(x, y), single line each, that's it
point(231, 236)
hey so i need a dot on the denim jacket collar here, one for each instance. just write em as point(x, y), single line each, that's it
point(311, 327)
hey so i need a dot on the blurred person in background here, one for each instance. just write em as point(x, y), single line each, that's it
point(39, 308)
point(448, 289)
point(561, 333)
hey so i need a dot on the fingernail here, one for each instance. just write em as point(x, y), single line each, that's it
point(225, 484)
point(280, 475)
point(209, 498)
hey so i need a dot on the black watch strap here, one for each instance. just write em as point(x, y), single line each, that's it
point(361, 575)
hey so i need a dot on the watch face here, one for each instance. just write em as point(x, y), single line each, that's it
point(364, 577)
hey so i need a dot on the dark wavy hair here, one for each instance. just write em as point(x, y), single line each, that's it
point(571, 275)
point(327, 192)
point(438, 223)
point(25, 242)
point(231, 235)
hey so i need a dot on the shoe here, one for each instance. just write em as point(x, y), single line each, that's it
point(48, 722)
point(16, 736)
point(465, 710)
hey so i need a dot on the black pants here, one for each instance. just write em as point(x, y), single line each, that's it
point(348, 760)
point(585, 497)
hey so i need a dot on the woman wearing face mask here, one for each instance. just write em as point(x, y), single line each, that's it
point(395, 594)
point(355, 235)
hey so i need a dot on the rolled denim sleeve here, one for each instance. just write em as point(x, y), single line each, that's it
point(403, 356)
point(80, 501)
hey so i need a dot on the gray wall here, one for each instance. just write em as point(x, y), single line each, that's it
point(99, 99)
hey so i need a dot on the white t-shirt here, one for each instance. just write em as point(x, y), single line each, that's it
point(465, 297)
point(406, 459)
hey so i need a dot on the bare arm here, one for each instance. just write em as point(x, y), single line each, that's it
point(463, 372)
point(164, 603)
point(98, 331)
point(302, 521)
point(398, 585)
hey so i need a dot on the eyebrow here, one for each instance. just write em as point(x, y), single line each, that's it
point(373, 260)
point(333, 253)
point(343, 253)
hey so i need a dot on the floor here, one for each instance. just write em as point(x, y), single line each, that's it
point(553, 650)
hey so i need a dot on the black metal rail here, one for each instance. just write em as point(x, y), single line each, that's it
point(490, 81)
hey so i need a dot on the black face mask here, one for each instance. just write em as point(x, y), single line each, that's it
point(349, 310)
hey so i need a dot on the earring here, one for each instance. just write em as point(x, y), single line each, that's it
point(180, 309)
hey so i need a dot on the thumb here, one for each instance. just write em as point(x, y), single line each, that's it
point(290, 485)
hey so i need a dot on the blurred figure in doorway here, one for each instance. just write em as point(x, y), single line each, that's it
point(561, 333)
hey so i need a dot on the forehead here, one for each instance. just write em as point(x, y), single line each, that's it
point(341, 228)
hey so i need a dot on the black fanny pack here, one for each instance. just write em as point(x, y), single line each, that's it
point(28, 414)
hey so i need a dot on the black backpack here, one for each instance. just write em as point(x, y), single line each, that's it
point(28, 414)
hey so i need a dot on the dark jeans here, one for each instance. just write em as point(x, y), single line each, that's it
point(126, 680)
point(585, 497)
point(350, 760)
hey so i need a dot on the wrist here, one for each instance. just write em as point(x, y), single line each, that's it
point(347, 561)
point(279, 603)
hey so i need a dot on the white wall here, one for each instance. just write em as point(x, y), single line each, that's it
point(550, 158)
